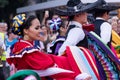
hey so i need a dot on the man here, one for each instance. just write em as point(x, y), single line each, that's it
point(102, 27)
point(77, 12)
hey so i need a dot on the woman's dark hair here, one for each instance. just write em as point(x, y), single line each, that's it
point(27, 23)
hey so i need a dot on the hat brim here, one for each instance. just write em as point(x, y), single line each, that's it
point(108, 7)
point(66, 12)
point(84, 8)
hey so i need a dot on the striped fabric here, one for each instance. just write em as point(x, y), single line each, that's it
point(106, 60)
point(84, 61)
point(23, 51)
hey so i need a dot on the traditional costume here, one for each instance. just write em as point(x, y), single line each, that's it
point(107, 61)
point(102, 27)
point(26, 56)
point(74, 8)
point(75, 64)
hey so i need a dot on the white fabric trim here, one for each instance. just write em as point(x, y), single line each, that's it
point(30, 77)
point(20, 55)
point(52, 71)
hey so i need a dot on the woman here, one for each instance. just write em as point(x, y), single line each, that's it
point(24, 55)
point(60, 26)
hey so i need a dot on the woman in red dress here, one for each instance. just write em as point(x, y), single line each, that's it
point(24, 55)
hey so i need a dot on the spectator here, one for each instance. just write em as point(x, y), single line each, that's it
point(61, 27)
point(119, 27)
point(3, 68)
point(114, 26)
point(11, 40)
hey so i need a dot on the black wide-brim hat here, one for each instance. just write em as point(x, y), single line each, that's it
point(75, 7)
point(105, 7)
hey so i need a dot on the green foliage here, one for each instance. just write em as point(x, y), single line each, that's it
point(22, 1)
point(3, 3)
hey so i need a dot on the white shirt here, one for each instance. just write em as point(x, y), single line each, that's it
point(105, 31)
point(74, 36)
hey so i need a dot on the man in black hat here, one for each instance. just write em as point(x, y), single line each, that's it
point(102, 27)
point(77, 12)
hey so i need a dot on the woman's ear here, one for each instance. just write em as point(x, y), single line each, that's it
point(25, 31)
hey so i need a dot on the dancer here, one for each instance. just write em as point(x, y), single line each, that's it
point(77, 13)
point(102, 27)
point(25, 55)
point(102, 51)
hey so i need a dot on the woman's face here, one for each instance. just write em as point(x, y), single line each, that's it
point(33, 32)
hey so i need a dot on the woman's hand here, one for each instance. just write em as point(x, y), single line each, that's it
point(83, 76)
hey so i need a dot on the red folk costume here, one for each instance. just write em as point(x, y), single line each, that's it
point(25, 56)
